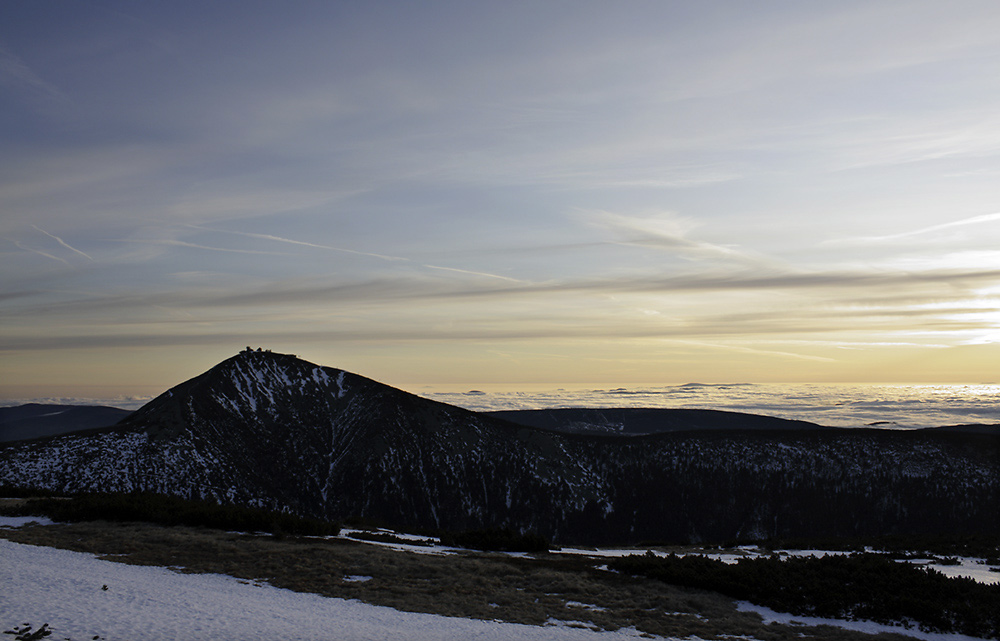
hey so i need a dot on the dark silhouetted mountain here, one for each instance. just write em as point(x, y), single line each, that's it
point(35, 420)
point(976, 428)
point(273, 431)
point(645, 420)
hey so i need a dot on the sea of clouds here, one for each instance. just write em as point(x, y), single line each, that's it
point(838, 405)
point(893, 406)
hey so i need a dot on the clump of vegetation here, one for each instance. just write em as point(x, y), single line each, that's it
point(171, 510)
point(981, 545)
point(858, 586)
point(25, 633)
point(499, 540)
point(20, 491)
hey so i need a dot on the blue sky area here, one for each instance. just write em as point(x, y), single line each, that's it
point(503, 193)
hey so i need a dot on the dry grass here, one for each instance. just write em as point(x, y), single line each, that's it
point(471, 585)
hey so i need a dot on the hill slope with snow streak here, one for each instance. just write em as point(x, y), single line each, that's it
point(274, 431)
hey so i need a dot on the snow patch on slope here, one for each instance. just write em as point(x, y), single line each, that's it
point(868, 627)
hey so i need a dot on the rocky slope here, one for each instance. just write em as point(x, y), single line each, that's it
point(271, 430)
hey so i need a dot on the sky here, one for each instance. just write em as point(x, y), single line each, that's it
point(507, 193)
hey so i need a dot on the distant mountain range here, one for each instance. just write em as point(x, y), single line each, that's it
point(271, 430)
point(35, 420)
point(640, 421)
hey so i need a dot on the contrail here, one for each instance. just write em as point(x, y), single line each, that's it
point(466, 271)
point(974, 220)
point(766, 352)
point(279, 239)
point(62, 242)
point(181, 243)
point(37, 251)
point(351, 251)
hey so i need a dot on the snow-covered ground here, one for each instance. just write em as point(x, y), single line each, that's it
point(417, 544)
point(18, 521)
point(974, 569)
point(868, 627)
point(67, 590)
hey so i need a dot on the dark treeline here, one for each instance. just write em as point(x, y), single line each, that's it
point(859, 586)
point(170, 511)
point(501, 540)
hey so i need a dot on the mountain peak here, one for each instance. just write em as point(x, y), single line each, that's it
point(261, 352)
point(255, 386)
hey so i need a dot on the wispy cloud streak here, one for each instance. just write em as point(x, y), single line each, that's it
point(856, 289)
point(14, 73)
point(180, 243)
point(62, 242)
point(279, 239)
point(39, 252)
point(752, 350)
point(965, 222)
point(356, 252)
point(473, 273)
point(667, 232)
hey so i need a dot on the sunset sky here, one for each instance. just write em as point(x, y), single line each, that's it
point(499, 193)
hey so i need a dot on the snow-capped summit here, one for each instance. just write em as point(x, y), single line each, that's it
point(257, 387)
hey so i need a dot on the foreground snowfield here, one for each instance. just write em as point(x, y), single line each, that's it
point(65, 590)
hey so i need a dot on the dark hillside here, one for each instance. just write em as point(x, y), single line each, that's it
point(645, 420)
point(35, 420)
point(272, 431)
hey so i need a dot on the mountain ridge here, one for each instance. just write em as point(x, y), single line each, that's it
point(35, 420)
point(642, 421)
point(270, 430)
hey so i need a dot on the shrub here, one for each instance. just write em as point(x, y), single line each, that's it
point(859, 586)
point(20, 491)
point(501, 540)
point(171, 510)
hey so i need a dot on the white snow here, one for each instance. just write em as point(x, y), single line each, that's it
point(65, 590)
point(320, 377)
point(19, 521)
point(974, 569)
point(607, 552)
point(417, 538)
point(437, 549)
point(868, 627)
